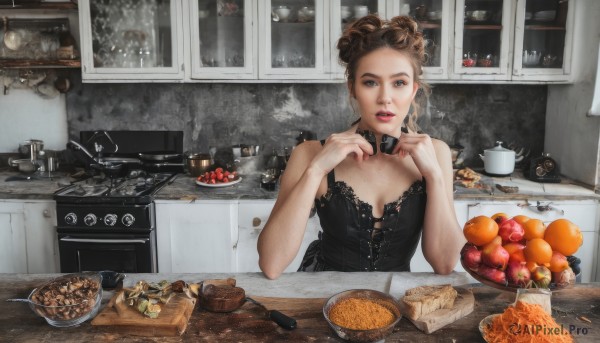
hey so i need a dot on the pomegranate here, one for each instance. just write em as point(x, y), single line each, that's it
point(518, 274)
point(471, 256)
point(511, 231)
point(494, 255)
point(492, 274)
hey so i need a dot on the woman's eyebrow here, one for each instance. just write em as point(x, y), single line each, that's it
point(377, 77)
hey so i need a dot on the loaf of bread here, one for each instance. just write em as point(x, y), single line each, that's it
point(423, 300)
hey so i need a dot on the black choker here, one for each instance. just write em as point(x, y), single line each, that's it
point(387, 145)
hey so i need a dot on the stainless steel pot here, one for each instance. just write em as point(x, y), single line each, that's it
point(197, 163)
point(31, 148)
point(24, 165)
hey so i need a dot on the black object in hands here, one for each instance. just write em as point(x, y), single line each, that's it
point(388, 143)
point(370, 137)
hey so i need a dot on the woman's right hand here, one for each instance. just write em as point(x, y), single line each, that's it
point(338, 146)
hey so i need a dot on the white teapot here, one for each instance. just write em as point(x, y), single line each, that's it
point(498, 160)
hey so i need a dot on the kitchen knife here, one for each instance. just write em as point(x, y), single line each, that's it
point(276, 316)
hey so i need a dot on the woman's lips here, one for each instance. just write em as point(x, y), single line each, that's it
point(385, 116)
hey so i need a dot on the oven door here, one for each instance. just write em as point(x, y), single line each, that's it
point(131, 253)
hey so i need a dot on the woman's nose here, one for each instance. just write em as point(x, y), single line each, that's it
point(384, 96)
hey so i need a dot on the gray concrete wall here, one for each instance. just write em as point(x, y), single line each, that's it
point(272, 115)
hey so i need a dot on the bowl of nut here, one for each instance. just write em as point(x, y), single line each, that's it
point(68, 300)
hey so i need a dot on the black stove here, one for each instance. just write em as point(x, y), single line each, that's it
point(107, 222)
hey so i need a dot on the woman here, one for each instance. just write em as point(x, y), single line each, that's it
point(373, 206)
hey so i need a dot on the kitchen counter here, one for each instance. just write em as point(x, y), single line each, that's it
point(184, 187)
point(19, 324)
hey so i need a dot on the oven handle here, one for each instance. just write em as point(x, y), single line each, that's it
point(88, 240)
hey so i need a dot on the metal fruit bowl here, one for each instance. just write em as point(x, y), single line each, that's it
point(76, 308)
point(373, 335)
point(508, 287)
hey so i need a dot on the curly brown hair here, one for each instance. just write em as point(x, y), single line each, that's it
point(370, 33)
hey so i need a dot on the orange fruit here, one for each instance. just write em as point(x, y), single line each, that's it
point(531, 265)
point(515, 251)
point(534, 228)
point(558, 262)
point(563, 236)
point(538, 250)
point(480, 230)
point(521, 219)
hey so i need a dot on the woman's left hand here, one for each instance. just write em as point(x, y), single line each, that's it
point(420, 147)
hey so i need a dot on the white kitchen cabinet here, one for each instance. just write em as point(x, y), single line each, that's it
point(583, 213)
point(543, 40)
point(13, 248)
point(28, 240)
point(253, 215)
point(131, 40)
point(197, 237)
point(41, 237)
point(294, 47)
point(224, 40)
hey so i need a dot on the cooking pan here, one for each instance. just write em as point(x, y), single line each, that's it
point(159, 156)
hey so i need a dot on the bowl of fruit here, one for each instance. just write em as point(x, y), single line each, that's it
point(521, 252)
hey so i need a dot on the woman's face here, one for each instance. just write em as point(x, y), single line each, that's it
point(384, 88)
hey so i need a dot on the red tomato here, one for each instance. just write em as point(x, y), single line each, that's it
point(219, 170)
point(219, 176)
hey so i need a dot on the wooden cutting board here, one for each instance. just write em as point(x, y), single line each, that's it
point(463, 305)
point(172, 320)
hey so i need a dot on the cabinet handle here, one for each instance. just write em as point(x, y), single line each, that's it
point(256, 221)
point(46, 214)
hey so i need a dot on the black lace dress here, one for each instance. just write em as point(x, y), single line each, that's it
point(349, 240)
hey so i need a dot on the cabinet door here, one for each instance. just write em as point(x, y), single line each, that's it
point(223, 41)
point(253, 216)
point(292, 43)
point(543, 40)
point(341, 14)
point(482, 39)
point(196, 237)
point(436, 18)
point(129, 40)
point(13, 249)
point(41, 237)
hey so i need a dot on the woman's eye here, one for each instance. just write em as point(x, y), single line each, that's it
point(399, 83)
point(369, 83)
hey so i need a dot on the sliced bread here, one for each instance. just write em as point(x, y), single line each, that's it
point(423, 300)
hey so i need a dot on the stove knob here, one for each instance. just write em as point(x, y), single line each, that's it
point(90, 219)
point(71, 218)
point(128, 219)
point(110, 219)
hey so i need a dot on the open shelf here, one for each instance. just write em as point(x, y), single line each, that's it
point(544, 28)
point(483, 27)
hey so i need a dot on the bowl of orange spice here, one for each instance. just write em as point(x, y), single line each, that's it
point(362, 315)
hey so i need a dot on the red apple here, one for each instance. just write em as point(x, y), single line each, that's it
point(494, 255)
point(518, 274)
point(492, 274)
point(558, 262)
point(471, 256)
point(510, 231)
point(541, 276)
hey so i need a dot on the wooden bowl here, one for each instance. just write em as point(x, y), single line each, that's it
point(221, 298)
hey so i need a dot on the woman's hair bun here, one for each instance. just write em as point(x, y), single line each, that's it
point(370, 33)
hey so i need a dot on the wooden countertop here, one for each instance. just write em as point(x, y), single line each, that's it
point(19, 324)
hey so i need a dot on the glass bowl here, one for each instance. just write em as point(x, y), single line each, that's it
point(68, 300)
point(372, 335)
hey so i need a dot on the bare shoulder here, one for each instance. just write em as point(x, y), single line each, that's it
point(440, 147)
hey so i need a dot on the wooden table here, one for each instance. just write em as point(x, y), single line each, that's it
point(19, 324)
